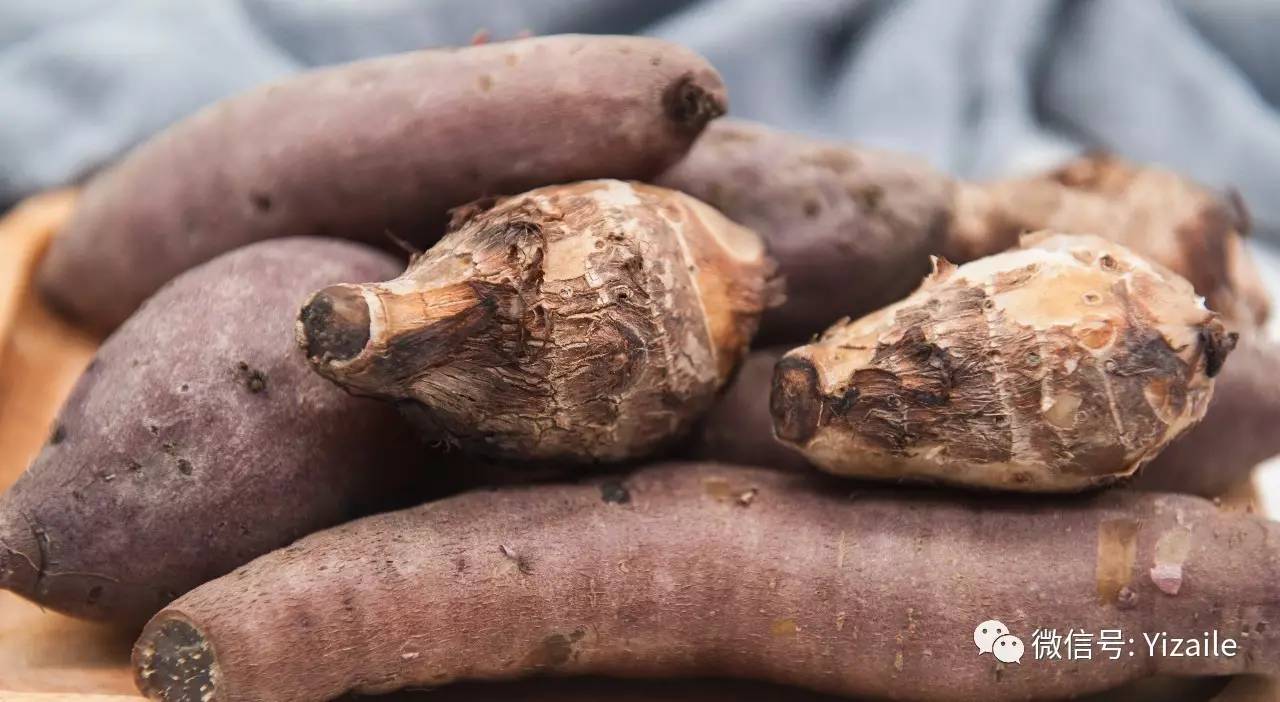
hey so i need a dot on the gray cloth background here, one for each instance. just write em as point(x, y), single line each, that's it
point(979, 87)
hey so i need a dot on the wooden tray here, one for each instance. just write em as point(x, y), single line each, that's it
point(46, 657)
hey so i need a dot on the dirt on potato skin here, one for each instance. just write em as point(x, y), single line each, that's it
point(198, 439)
point(867, 592)
point(376, 147)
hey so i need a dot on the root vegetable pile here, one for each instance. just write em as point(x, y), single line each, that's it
point(853, 228)
point(383, 145)
point(698, 569)
point(1066, 364)
point(593, 257)
point(584, 322)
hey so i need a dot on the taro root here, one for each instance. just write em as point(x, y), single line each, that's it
point(577, 323)
point(1063, 365)
point(1159, 214)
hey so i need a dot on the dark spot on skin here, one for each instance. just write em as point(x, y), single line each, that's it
point(95, 593)
point(58, 435)
point(133, 466)
point(795, 400)
point(1107, 262)
point(1217, 346)
point(870, 197)
point(77, 496)
point(1126, 598)
point(614, 492)
point(184, 387)
point(255, 381)
point(335, 324)
point(261, 201)
point(169, 447)
point(485, 81)
point(689, 105)
point(811, 208)
point(655, 61)
point(847, 400)
point(460, 564)
point(184, 466)
point(555, 650)
point(153, 429)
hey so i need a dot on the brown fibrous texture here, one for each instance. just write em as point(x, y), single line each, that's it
point(578, 323)
point(1161, 215)
point(1066, 364)
point(376, 150)
point(783, 578)
point(198, 439)
point(852, 228)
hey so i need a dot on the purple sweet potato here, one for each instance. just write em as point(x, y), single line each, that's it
point(691, 570)
point(739, 428)
point(851, 229)
point(198, 439)
point(378, 146)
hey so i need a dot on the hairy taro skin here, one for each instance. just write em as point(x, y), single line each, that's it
point(851, 228)
point(198, 438)
point(1063, 365)
point(781, 578)
point(1158, 214)
point(573, 323)
point(385, 145)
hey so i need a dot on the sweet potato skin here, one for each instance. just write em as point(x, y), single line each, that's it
point(852, 229)
point(378, 146)
point(738, 428)
point(778, 577)
point(198, 439)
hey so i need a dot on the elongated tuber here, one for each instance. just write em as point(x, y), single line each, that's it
point(776, 577)
point(585, 322)
point(851, 229)
point(383, 145)
point(198, 439)
point(1063, 365)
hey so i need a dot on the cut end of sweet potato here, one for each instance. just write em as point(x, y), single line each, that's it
point(334, 324)
point(691, 102)
point(21, 558)
point(175, 663)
